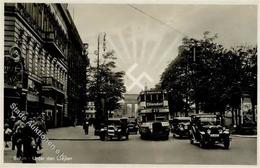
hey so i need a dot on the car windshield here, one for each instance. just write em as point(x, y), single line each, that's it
point(183, 121)
point(150, 117)
point(161, 119)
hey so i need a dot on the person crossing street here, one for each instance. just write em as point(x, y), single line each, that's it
point(86, 126)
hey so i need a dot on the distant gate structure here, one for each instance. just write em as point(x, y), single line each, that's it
point(130, 105)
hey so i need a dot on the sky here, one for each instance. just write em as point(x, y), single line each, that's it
point(146, 37)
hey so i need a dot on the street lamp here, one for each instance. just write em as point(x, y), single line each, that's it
point(99, 110)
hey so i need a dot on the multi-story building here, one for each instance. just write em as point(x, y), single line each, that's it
point(43, 55)
point(90, 111)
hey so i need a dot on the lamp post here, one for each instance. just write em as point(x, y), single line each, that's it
point(195, 78)
point(99, 111)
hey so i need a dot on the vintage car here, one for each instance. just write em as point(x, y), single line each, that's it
point(132, 127)
point(115, 128)
point(205, 130)
point(180, 126)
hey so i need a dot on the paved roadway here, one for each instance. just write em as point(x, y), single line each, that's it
point(80, 148)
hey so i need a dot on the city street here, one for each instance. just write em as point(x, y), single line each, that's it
point(147, 68)
point(80, 148)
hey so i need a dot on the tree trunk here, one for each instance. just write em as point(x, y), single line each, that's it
point(253, 103)
point(232, 112)
point(235, 111)
point(197, 106)
point(253, 112)
point(236, 117)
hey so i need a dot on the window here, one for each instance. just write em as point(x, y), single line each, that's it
point(36, 64)
point(148, 98)
point(33, 62)
point(142, 97)
point(40, 65)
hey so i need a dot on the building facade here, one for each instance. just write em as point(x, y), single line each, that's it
point(38, 48)
point(90, 111)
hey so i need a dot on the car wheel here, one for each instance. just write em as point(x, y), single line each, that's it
point(191, 138)
point(127, 136)
point(119, 137)
point(102, 137)
point(226, 144)
point(202, 144)
point(191, 141)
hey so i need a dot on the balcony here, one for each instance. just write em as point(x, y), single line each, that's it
point(51, 83)
point(54, 44)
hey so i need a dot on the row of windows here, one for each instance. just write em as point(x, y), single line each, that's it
point(41, 65)
point(36, 62)
point(152, 97)
point(41, 16)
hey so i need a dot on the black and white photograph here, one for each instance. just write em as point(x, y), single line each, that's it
point(129, 83)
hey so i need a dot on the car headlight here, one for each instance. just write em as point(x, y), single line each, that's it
point(119, 130)
point(208, 131)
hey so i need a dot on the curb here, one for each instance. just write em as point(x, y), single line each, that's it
point(245, 136)
point(76, 139)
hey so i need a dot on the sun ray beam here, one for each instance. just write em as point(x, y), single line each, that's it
point(121, 57)
point(123, 42)
point(166, 52)
point(134, 41)
point(144, 41)
point(154, 50)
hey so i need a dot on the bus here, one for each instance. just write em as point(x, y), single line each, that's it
point(153, 115)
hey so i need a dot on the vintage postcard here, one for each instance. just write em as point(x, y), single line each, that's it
point(142, 84)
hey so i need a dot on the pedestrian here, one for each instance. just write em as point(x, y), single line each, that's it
point(14, 136)
point(28, 142)
point(7, 134)
point(85, 126)
point(18, 136)
point(48, 119)
point(42, 127)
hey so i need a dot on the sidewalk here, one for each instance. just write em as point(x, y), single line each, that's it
point(71, 133)
point(65, 133)
point(9, 156)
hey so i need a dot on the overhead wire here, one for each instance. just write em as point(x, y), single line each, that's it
point(156, 19)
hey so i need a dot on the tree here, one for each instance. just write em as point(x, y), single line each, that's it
point(247, 72)
point(210, 76)
point(105, 85)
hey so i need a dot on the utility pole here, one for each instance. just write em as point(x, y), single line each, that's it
point(98, 101)
point(195, 80)
point(100, 117)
